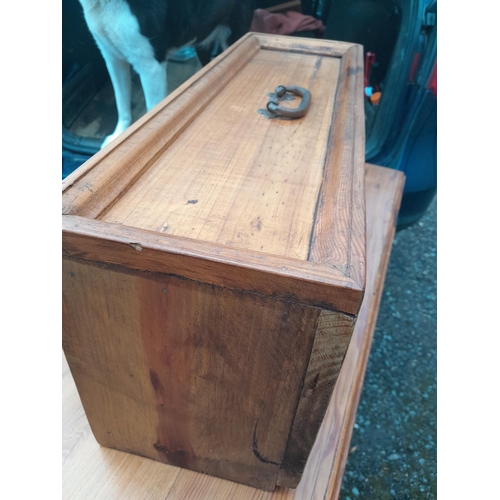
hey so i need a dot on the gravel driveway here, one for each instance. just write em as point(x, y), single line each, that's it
point(393, 447)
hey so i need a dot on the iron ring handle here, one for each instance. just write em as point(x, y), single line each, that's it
point(298, 112)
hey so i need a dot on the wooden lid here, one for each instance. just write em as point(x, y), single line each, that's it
point(206, 187)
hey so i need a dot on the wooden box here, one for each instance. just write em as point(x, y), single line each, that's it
point(214, 264)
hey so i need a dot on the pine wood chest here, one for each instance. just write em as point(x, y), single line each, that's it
point(214, 264)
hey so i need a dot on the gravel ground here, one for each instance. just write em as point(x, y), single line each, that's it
point(393, 446)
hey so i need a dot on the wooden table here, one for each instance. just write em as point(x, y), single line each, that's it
point(93, 472)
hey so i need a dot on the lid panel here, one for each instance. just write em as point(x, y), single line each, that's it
point(234, 177)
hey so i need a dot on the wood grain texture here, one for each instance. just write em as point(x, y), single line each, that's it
point(205, 166)
point(385, 187)
point(248, 182)
point(333, 334)
point(267, 275)
point(339, 237)
point(90, 471)
point(193, 375)
point(327, 48)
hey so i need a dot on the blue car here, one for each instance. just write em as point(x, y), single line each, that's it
point(400, 45)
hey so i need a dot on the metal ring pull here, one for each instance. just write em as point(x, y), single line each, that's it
point(274, 110)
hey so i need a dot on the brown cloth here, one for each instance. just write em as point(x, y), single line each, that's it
point(284, 24)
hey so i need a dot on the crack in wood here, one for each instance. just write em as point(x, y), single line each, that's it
point(255, 448)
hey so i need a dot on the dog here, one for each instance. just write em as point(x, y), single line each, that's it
point(141, 33)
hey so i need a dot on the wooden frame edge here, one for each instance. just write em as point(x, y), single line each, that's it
point(350, 259)
point(268, 275)
point(342, 448)
point(328, 48)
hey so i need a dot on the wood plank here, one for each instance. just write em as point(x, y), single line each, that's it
point(333, 334)
point(299, 45)
point(193, 375)
point(382, 206)
point(93, 472)
point(323, 474)
point(249, 182)
point(339, 238)
point(255, 272)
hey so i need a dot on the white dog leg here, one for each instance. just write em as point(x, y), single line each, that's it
point(153, 77)
point(117, 33)
point(119, 72)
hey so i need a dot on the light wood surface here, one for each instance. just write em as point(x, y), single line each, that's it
point(91, 471)
point(333, 334)
point(343, 187)
point(197, 376)
point(384, 189)
point(236, 178)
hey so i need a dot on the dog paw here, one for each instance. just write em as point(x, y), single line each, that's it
point(120, 128)
point(110, 138)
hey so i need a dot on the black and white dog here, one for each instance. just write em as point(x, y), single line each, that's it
point(140, 33)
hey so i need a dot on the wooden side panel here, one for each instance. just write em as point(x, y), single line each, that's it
point(189, 374)
point(333, 334)
point(101, 321)
point(339, 237)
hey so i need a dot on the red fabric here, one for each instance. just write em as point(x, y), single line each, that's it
point(414, 64)
point(284, 24)
point(433, 82)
